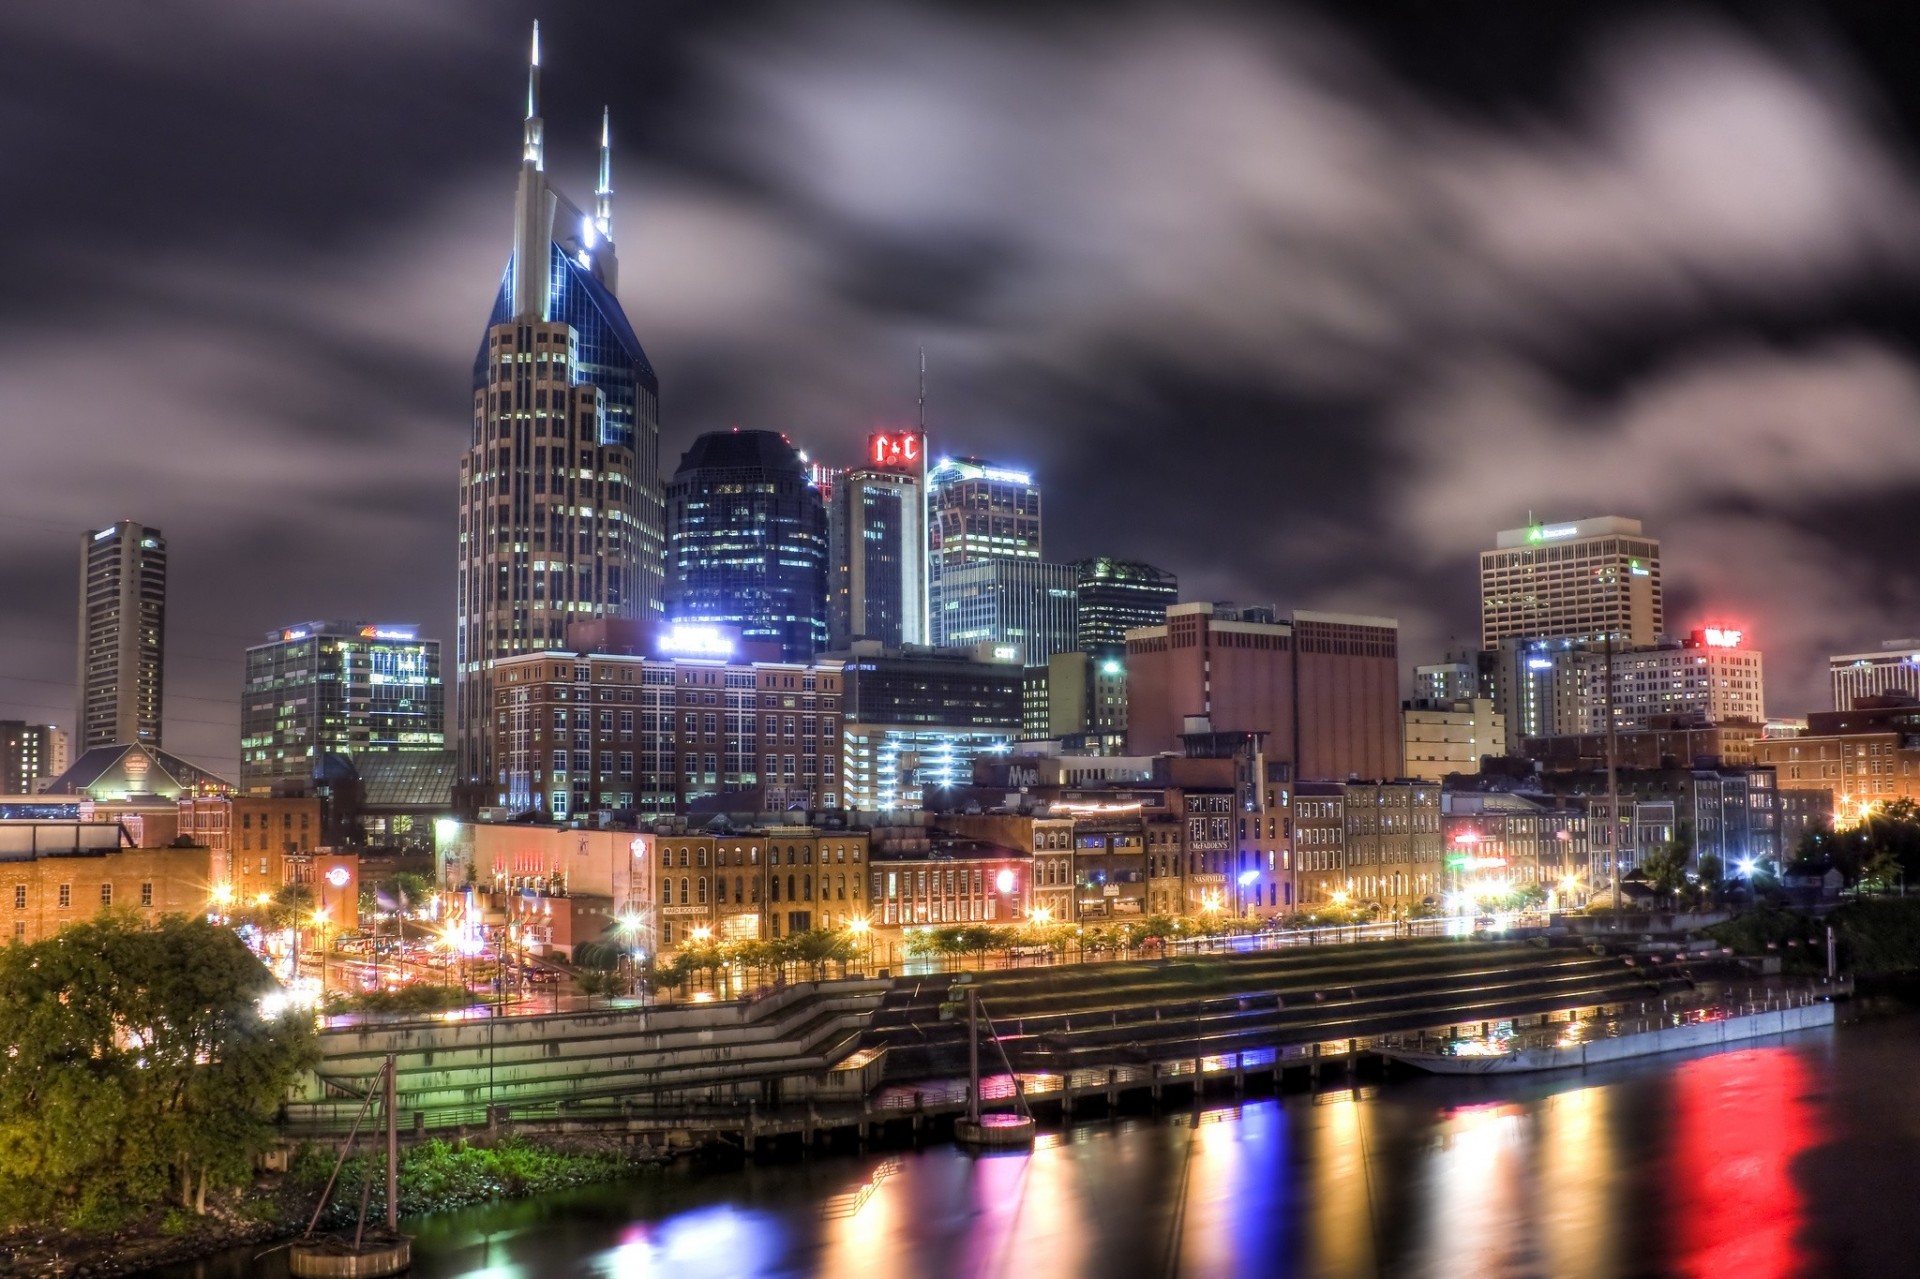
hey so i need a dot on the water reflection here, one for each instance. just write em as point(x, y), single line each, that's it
point(1682, 1166)
point(1743, 1117)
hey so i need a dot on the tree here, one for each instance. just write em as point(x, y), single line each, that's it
point(1666, 869)
point(141, 1067)
point(1881, 871)
point(1713, 874)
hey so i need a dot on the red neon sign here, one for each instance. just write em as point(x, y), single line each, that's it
point(897, 451)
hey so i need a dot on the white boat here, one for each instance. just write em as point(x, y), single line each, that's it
point(1702, 1028)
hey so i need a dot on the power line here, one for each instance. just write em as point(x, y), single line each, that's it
point(67, 683)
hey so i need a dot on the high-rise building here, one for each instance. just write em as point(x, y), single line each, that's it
point(747, 542)
point(1895, 668)
point(1582, 581)
point(877, 540)
point(1116, 596)
point(336, 688)
point(30, 755)
point(561, 514)
point(1461, 675)
point(976, 511)
point(123, 621)
point(1026, 605)
point(1324, 687)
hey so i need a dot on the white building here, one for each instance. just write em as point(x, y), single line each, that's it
point(1894, 669)
point(1582, 581)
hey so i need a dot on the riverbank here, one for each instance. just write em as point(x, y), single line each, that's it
point(435, 1177)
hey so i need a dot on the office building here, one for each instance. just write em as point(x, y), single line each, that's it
point(917, 718)
point(682, 718)
point(1459, 677)
point(560, 505)
point(1442, 738)
point(1026, 606)
point(877, 544)
point(747, 542)
point(123, 622)
point(1894, 668)
point(1323, 687)
point(1086, 701)
point(976, 511)
point(353, 689)
point(31, 755)
point(1549, 689)
point(1116, 596)
point(1583, 581)
point(1666, 742)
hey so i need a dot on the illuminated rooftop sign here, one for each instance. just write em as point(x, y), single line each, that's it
point(950, 470)
point(1721, 637)
point(688, 639)
point(1551, 532)
point(388, 632)
point(897, 450)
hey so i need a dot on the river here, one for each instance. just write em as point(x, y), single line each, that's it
point(1788, 1157)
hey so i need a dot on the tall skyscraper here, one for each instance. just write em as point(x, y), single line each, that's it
point(1117, 596)
point(747, 542)
point(561, 515)
point(123, 621)
point(1580, 581)
point(975, 511)
point(333, 688)
point(877, 537)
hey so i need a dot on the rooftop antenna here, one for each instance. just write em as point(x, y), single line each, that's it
point(923, 390)
point(534, 142)
point(603, 190)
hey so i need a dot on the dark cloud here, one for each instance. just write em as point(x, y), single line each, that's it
point(1302, 304)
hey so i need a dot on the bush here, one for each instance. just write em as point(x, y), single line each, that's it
point(407, 999)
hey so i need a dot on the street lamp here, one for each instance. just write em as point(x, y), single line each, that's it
point(859, 927)
point(1247, 879)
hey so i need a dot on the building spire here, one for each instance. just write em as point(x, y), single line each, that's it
point(603, 190)
point(533, 153)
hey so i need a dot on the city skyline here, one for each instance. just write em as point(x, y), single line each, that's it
point(349, 320)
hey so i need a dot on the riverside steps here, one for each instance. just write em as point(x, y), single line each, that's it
point(887, 1059)
point(1135, 1012)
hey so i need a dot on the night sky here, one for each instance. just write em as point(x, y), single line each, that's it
point(1301, 304)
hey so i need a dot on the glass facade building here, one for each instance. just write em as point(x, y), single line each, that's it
point(1024, 605)
point(747, 542)
point(330, 688)
point(561, 516)
point(976, 511)
point(1116, 596)
point(877, 537)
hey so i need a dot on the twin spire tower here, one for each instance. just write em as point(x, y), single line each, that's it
point(561, 514)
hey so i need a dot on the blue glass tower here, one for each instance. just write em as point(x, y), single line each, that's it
point(561, 515)
point(747, 541)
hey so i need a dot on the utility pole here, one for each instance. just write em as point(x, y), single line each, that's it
point(1613, 788)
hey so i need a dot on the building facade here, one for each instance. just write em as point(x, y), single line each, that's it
point(1895, 668)
point(877, 542)
point(1026, 605)
point(1446, 737)
point(976, 511)
point(561, 516)
point(747, 542)
point(1583, 580)
point(123, 622)
point(918, 718)
point(336, 688)
point(653, 733)
point(1322, 687)
point(1117, 596)
point(31, 755)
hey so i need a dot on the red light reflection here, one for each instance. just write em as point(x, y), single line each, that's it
point(1742, 1118)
